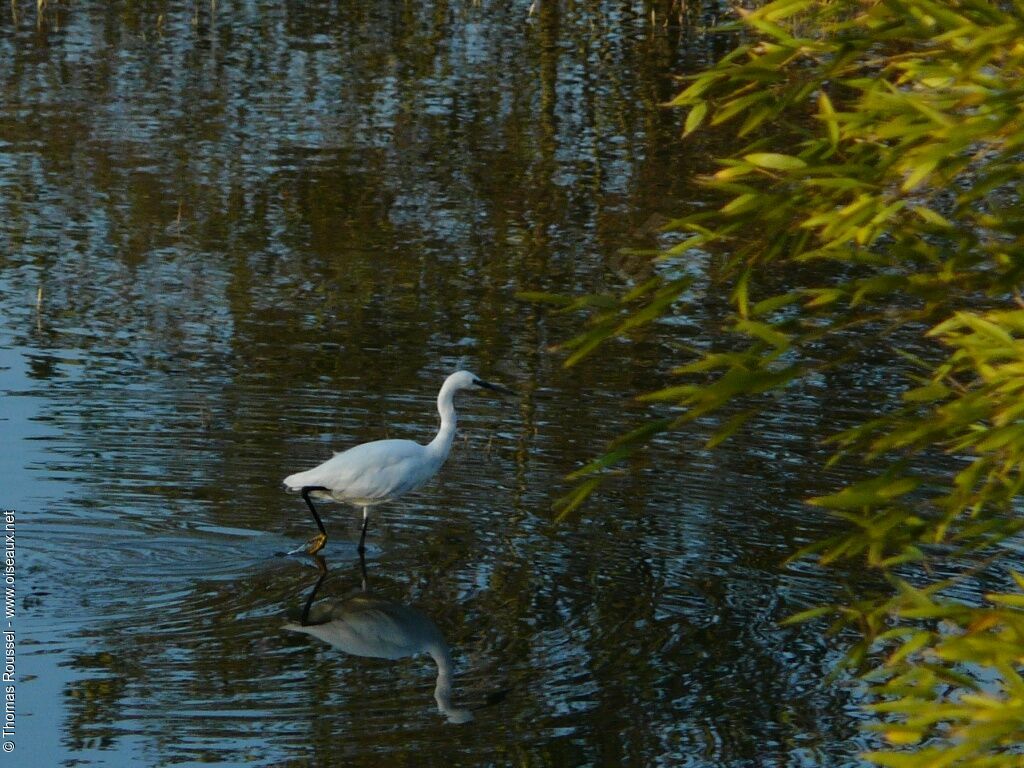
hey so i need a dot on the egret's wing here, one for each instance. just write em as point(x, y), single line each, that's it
point(385, 469)
point(379, 470)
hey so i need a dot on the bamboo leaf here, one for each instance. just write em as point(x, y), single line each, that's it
point(775, 161)
point(810, 613)
point(827, 113)
point(696, 116)
point(764, 332)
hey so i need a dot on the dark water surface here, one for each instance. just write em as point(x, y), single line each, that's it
point(237, 235)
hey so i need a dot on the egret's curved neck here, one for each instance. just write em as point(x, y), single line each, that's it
point(442, 444)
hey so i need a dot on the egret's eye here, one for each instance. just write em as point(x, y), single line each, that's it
point(476, 383)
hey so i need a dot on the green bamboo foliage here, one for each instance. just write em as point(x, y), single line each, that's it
point(880, 171)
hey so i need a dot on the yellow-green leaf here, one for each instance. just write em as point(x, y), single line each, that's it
point(775, 161)
point(695, 118)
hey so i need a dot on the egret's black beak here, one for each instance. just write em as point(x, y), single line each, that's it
point(493, 387)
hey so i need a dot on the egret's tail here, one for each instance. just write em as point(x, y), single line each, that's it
point(298, 481)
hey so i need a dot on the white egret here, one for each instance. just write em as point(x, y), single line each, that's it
point(377, 472)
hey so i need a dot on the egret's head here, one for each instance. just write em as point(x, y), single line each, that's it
point(466, 380)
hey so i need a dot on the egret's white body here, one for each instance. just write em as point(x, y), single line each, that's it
point(383, 629)
point(373, 473)
point(377, 472)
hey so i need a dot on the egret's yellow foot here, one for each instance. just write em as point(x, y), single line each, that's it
point(315, 544)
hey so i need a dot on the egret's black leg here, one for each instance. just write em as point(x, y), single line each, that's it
point(362, 569)
point(309, 502)
point(362, 536)
point(317, 542)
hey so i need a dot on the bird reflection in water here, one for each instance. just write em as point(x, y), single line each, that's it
point(375, 627)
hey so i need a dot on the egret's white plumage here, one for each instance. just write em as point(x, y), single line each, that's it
point(377, 472)
point(372, 473)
